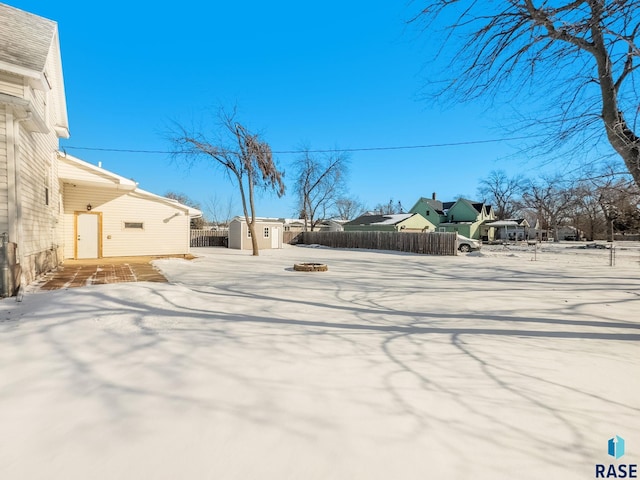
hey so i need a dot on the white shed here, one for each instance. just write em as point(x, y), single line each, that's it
point(269, 231)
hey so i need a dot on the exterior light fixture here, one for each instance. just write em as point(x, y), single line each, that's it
point(88, 207)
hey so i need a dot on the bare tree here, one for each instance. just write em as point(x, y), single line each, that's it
point(588, 212)
point(502, 192)
point(620, 203)
point(243, 156)
point(220, 211)
point(580, 54)
point(319, 182)
point(185, 200)
point(348, 208)
point(390, 208)
point(552, 201)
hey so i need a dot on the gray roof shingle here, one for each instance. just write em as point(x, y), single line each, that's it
point(25, 38)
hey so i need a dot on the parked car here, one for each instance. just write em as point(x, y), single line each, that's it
point(467, 244)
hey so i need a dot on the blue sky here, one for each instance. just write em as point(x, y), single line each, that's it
point(333, 74)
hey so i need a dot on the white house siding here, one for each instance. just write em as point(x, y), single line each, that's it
point(56, 101)
point(165, 228)
point(38, 100)
point(11, 84)
point(40, 240)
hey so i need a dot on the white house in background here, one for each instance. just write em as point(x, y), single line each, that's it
point(509, 230)
point(106, 215)
point(268, 230)
point(55, 206)
point(297, 225)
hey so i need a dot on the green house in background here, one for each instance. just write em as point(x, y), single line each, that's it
point(463, 216)
point(400, 222)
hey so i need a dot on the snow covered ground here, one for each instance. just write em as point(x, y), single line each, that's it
point(388, 366)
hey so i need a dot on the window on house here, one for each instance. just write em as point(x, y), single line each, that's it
point(135, 225)
point(266, 232)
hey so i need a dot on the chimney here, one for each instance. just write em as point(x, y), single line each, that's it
point(433, 196)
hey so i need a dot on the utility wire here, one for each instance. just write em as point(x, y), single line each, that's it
point(363, 149)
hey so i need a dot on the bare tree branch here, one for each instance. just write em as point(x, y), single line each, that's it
point(582, 56)
point(320, 180)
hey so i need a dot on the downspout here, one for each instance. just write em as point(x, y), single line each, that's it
point(4, 266)
point(12, 212)
point(12, 201)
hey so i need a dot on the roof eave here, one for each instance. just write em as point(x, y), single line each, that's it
point(116, 181)
point(25, 112)
point(35, 79)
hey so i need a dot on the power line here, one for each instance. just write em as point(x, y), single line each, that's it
point(361, 149)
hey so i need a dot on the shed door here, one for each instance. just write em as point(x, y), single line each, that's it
point(87, 239)
point(275, 237)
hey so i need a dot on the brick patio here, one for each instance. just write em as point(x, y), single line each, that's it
point(79, 273)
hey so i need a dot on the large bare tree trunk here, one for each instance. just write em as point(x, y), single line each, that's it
point(620, 136)
point(252, 224)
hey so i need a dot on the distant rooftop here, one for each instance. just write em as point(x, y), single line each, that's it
point(391, 219)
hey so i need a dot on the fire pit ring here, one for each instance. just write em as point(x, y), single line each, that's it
point(310, 267)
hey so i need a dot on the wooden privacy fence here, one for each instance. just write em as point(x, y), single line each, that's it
point(433, 243)
point(292, 237)
point(209, 238)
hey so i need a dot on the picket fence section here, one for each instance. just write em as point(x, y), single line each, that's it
point(432, 243)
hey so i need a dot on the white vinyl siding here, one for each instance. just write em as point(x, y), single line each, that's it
point(56, 102)
point(165, 228)
point(38, 100)
point(37, 155)
point(11, 85)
